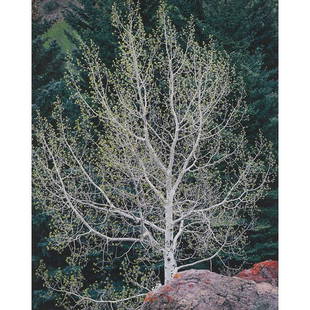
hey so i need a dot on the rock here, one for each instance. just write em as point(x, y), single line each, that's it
point(266, 271)
point(206, 290)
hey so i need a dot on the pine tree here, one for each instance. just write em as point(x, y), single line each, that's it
point(47, 67)
point(47, 84)
point(92, 21)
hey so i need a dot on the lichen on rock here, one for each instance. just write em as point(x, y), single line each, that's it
point(205, 290)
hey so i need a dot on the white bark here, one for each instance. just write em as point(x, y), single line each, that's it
point(169, 254)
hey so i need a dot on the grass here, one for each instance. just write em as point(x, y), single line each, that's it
point(57, 32)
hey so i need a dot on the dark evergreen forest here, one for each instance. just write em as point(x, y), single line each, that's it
point(245, 29)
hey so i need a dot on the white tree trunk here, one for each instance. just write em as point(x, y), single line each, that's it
point(169, 259)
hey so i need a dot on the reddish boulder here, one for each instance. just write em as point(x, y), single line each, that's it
point(266, 271)
point(206, 290)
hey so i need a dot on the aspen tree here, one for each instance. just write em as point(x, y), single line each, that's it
point(157, 161)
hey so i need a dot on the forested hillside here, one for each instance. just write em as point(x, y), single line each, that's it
point(245, 30)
